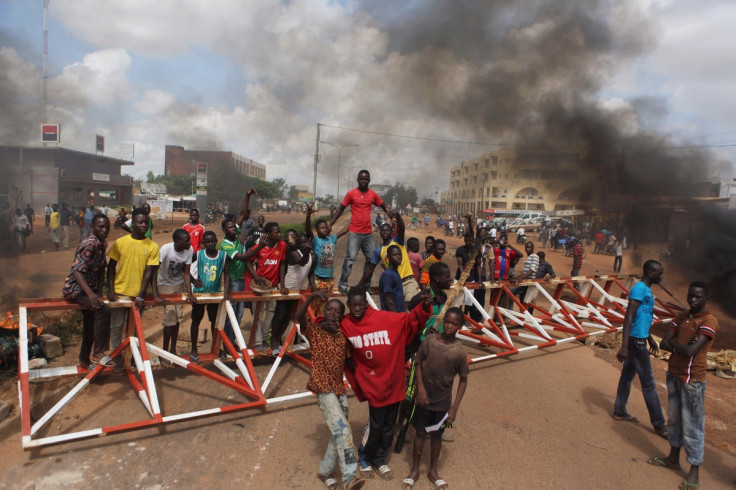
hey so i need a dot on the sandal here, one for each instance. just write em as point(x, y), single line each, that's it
point(664, 464)
point(367, 472)
point(328, 481)
point(355, 484)
point(103, 359)
point(626, 418)
point(685, 485)
point(194, 358)
point(407, 483)
point(385, 472)
point(439, 484)
point(165, 363)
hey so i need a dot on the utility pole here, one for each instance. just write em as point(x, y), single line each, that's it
point(316, 160)
point(339, 150)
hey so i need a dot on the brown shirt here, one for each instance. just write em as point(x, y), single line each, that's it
point(328, 358)
point(686, 327)
point(440, 364)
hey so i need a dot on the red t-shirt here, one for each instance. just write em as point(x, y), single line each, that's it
point(269, 260)
point(377, 345)
point(195, 235)
point(361, 203)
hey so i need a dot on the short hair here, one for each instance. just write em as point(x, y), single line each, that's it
point(457, 311)
point(649, 265)
point(209, 233)
point(356, 291)
point(269, 227)
point(541, 255)
point(437, 268)
point(440, 241)
point(319, 222)
point(391, 247)
point(179, 233)
point(411, 242)
point(429, 237)
point(226, 221)
point(193, 209)
point(702, 285)
point(335, 300)
point(364, 171)
point(468, 235)
point(99, 216)
point(137, 211)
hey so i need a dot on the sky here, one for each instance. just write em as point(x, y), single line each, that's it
point(419, 86)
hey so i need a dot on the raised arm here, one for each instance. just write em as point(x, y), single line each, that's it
point(245, 210)
point(308, 220)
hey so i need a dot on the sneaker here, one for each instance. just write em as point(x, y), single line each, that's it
point(343, 288)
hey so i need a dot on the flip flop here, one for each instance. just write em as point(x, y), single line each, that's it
point(439, 484)
point(664, 464)
point(385, 472)
point(328, 481)
point(626, 418)
point(194, 358)
point(685, 485)
point(407, 483)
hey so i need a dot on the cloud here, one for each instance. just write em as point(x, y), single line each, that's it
point(100, 79)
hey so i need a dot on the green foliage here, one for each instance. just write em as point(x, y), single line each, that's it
point(428, 202)
point(281, 185)
point(293, 193)
point(404, 195)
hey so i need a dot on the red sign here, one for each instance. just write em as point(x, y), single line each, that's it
point(202, 168)
point(100, 143)
point(50, 133)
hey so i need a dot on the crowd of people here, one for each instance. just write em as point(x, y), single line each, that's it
point(372, 347)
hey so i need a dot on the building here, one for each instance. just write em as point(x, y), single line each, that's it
point(179, 161)
point(37, 176)
point(518, 179)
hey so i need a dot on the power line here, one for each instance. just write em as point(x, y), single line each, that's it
point(506, 145)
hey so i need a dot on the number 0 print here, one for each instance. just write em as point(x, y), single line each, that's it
point(369, 354)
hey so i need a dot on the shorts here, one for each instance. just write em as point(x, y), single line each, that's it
point(423, 418)
point(172, 313)
point(56, 235)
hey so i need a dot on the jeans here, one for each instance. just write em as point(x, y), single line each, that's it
point(617, 263)
point(638, 363)
point(118, 323)
point(95, 328)
point(382, 422)
point(519, 292)
point(340, 449)
point(686, 411)
point(238, 309)
point(356, 242)
point(574, 273)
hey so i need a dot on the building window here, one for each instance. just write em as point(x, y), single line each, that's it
point(108, 195)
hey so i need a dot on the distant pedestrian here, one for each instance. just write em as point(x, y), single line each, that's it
point(618, 249)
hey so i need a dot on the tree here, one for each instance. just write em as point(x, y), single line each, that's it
point(281, 185)
point(404, 195)
point(293, 193)
point(150, 177)
point(427, 202)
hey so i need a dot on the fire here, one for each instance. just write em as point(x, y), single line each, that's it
point(7, 321)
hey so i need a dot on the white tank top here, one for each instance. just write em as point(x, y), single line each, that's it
point(296, 275)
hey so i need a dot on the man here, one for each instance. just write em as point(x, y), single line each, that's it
point(55, 227)
point(577, 259)
point(504, 256)
point(47, 215)
point(127, 226)
point(438, 251)
point(65, 216)
point(138, 258)
point(689, 338)
point(633, 353)
point(544, 268)
point(30, 214)
point(87, 225)
point(360, 236)
point(409, 282)
point(529, 272)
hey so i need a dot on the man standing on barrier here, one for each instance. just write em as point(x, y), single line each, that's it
point(360, 236)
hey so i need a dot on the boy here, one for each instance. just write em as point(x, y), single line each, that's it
point(207, 273)
point(389, 286)
point(84, 287)
point(174, 259)
point(324, 248)
point(415, 258)
point(633, 353)
point(378, 339)
point(138, 258)
point(55, 226)
point(128, 225)
point(689, 339)
point(271, 266)
point(440, 358)
point(329, 348)
point(428, 244)
point(438, 251)
point(195, 230)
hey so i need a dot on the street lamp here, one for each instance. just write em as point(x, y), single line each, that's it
point(339, 150)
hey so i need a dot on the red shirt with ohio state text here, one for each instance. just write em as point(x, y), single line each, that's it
point(269, 260)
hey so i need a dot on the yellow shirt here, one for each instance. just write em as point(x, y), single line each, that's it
point(55, 220)
point(132, 256)
point(404, 268)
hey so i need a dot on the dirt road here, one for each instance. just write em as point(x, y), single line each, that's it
point(538, 420)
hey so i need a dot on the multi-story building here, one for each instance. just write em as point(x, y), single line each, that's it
point(519, 179)
point(179, 161)
point(37, 176)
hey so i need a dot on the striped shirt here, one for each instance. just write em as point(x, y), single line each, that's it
point(686, 327)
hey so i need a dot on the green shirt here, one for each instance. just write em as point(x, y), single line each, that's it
point(237, 267)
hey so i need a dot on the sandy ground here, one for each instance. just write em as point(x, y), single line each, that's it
point(534, 420)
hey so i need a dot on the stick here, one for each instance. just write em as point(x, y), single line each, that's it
point(673, 296)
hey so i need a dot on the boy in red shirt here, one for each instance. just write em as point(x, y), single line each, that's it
point(195, 230)
point(691, 335)
point(378, 339)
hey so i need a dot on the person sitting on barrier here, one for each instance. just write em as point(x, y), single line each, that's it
point(84, 286)
point(324, 247)
point(531, 264)
point(378, 339)
point(175, 258)
point(301, 262)
point(688, 339)
point(329, 349)
point(389, 286)
point(438, 251)
point(206, 276)
point(271, 266)
point(440, 358)
point(633, 353)
point(138, 258)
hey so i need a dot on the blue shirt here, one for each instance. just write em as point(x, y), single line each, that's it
point(390, 282)
point(644, 313)
point(209, 271)
point(324, 248)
